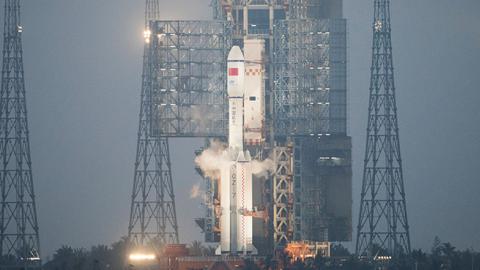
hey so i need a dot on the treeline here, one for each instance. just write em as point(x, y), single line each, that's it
point(99, 257)
point(442, 256)
point(104, 257)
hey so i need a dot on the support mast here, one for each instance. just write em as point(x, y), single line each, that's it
point(20, 244)
point(383, 226)
point(153, 220)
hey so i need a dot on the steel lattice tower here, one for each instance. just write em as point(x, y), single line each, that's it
point(382, 226)
point(20, 243)
point(153, 220)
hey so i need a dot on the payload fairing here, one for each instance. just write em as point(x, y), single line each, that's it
point(246, 106)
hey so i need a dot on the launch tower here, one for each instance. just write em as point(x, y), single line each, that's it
point(382, 225)
point(153, 220)
point(19, 243)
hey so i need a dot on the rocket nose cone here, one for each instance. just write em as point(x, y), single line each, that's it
point(235, 54)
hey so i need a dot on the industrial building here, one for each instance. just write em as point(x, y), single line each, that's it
point(304, 194)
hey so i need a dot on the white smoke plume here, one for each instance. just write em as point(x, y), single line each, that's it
point(196, 191)
point(212, 159)
point(262, 168)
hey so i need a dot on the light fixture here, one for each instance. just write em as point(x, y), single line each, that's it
point(142, 257)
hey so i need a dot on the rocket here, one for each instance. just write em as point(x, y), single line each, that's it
point(236, 197)
point(236, 93)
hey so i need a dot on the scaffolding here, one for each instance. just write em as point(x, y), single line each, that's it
point(189, 87)
point(306, 101)
point(322, 188)
point(283, 196)
point(212, 226)
point(309, 77)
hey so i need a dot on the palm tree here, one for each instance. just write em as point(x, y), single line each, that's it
point(196, 248)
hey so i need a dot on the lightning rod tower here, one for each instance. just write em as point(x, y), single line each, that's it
point(20, 244)
point(153, 220)
point(383, 226)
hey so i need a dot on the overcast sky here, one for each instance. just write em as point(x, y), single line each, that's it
point(83, 65)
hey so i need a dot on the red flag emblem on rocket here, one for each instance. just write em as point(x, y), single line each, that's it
point(233, 72)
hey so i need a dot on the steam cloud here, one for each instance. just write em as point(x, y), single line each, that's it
point(262, 168)
point(212, 159)
point(196, 191)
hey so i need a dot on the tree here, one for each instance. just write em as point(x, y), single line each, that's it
point(436, 246)
point(196, 248)
point(443, 256)
point(250, 265)
point(338, 250)
point(420, 259)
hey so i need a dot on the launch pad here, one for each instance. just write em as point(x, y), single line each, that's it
point(294, 118)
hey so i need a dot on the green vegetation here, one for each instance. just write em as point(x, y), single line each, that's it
point(442, 256)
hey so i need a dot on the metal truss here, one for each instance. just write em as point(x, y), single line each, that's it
point(250, 2)
point(189, 79)
point(311, 220)
point(210, 224)
point(153, 220)
point(309, 65)
point(283, 219)
point(19, 243)
point(218, 10)
point(305, 87)
point(314, 215)
point(297, 9)
point(222, 7)
point(382, 226)
point(321, 168)
point(297, 190)
point(305, 9)
point(211, 228)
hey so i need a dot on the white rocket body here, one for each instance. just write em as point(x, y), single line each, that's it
point(236, 198)
point(236, 93)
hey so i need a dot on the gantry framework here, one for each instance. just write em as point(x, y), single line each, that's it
point(309, 106)
point(19, 240)
point(283, 196)
point(305, 86)
point(308, 67)
point(189, 87)
point(382, 225)
point(309, 77)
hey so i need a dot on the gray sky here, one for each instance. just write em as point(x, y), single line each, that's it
point(83, 64)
